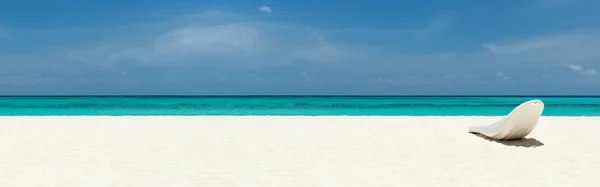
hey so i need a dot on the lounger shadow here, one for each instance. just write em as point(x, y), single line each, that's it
point(523, 142)
point(518, 124)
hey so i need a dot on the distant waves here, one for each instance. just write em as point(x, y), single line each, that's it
point(392, 106)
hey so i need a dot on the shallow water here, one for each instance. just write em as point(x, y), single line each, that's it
point(290, 105)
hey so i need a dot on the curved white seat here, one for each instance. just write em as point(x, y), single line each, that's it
point(518, 124)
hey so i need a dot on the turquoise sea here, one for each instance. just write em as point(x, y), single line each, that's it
point(290, 105)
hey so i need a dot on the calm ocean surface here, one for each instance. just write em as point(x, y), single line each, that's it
point(290, 105)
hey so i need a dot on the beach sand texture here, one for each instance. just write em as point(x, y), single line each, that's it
point(292, 151)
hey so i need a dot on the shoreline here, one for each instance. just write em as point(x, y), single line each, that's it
point(280, 116)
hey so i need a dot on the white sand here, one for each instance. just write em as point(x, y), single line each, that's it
point(291, 151)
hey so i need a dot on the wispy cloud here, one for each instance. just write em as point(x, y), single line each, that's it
point(547, 7)
point(229, 42)
point(438, 24)
point(502, 76)
point(220, 52)
point(527, 59)
point(541, 43)
point(554, 3)
point(575, 68)
point(579, 47)
point(265, 8)
point(584, 71)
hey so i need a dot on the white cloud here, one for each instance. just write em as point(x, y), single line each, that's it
point(592, 72)
point(301, 52)
point(502, 76)
point(213, 40)
point(564, 43)
point(575, 67)
point(237, 39)
point(244, 42)
point(228, 41)
point(16, 80)
point(265, 8)
point(543, 43)
point(584, 71)
point(526, 59)
point(490, 47)
point(577, 47)
point(439, 24)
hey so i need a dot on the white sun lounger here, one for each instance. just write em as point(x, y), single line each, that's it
point(518, 124)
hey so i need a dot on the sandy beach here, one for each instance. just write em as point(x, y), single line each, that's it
point(292, 151)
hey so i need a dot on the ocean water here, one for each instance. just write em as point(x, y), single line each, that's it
point(289, 105)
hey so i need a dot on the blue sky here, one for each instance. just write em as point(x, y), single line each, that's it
point(299, 47)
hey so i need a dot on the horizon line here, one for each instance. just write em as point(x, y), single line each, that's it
point(308, 95)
